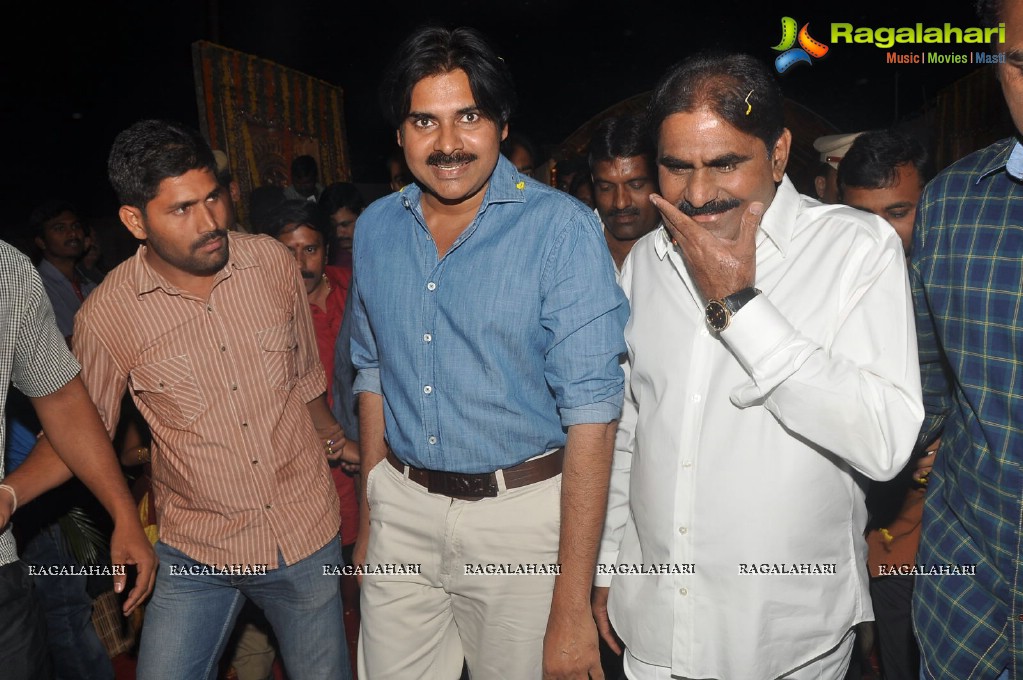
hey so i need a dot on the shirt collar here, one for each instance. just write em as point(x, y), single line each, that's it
point(147, 279)
point(776, 225)
point(1014, 166)
point(507, 185)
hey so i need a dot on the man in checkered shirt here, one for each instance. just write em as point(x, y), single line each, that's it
point(966, 272)
point(35, 359)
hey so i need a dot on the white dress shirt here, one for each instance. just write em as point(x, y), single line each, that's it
point(746, 451)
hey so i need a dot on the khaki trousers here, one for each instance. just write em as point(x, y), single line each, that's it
point(423, 625)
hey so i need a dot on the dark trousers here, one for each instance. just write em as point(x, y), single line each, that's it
point(23, 653)
point(892, 597)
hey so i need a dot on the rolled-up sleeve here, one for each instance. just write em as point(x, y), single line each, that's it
point(363, 344)
point(584, 312)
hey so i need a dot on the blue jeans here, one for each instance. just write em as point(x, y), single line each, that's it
point(190, 617)
point(75, 648)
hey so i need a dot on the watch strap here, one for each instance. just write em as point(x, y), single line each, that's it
point(737, 300)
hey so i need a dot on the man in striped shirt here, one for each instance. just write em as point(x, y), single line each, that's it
point(210, 332)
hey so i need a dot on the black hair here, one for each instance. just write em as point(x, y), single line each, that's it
point(262, 203)
point(737, 88)
point(342, 195)
point(299, 213)
point(149, 152)
point(517, 139)
point(46, 211)
point(989, 12)
point(304, 166)
point(580, 180)
point(620, 137)
point(873, 159)
point(431, 51)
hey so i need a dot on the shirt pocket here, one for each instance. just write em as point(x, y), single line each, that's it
point(170, 389)
point(280, 355)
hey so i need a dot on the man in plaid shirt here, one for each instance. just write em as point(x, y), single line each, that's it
point(967, 275)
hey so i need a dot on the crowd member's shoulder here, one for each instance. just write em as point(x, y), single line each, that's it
point(966, 172)
point(14, 262)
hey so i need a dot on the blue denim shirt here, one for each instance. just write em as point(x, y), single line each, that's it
point(484, 357)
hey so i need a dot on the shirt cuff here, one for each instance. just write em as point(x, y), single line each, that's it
point(600, 412)
point(755, 331)
point(602, 579)
point(367, 380)
point(312, 385)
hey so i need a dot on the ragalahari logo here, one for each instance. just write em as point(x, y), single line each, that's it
point(808, 49)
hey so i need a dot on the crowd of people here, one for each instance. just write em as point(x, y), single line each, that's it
point(668, 419)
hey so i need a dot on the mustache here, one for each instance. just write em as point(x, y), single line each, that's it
point(441, 158)
point(709, 208)
point(631, 211)
point(208, 237)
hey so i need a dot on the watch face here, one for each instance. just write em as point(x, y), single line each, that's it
point(717, 315)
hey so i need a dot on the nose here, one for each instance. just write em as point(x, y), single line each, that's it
point(449, 138)
point(209, 217)
point(700, 189)
point(622, 198)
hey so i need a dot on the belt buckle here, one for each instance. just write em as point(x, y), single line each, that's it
point(466, 485)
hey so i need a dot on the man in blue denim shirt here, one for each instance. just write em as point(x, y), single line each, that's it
point(487, 331)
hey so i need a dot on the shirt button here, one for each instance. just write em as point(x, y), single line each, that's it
point(427, 389)
point(687, 463)
point(432, 439)
point(209, 308)
point(255, 462)
point(431, 286)
point(234, 387)
point(427, 338)
point(704, 332)
point(245, 424)
point(268, 506)
point(1020, 617)
point(681, 591)
point(696, 398)
point(223, 348)
point(683, 531)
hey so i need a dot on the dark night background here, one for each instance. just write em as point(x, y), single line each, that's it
point(72, 75)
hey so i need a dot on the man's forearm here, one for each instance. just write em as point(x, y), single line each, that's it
point(372, 450)
point(584, 485)
point(42, 470)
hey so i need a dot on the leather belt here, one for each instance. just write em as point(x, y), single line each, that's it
point(473, 486)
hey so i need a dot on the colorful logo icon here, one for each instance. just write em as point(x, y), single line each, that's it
point(808, 49)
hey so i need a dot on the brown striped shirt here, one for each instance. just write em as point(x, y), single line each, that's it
point(238, 470)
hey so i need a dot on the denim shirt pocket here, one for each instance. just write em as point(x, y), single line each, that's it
point(169, 388)
point(280, 350)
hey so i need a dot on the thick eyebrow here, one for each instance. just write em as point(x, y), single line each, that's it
point(603, 180)
point(424, 115)
point(900, 204)
point(1014, 56)
point(180, 205)
point(185, 204)
point(719, 162)
point(727, 159)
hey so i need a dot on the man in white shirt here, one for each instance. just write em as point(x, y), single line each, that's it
point(772, 366)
